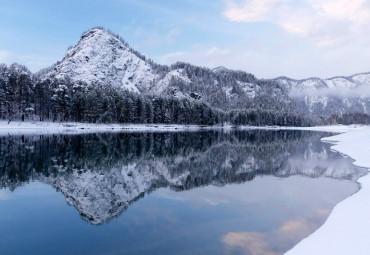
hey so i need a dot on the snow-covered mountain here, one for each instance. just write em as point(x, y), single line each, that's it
point(104, 58)
point(337, 95)
point(101, 57)
point(336, 83)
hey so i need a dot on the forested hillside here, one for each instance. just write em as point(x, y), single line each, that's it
point(24, 97)
point(103, 80)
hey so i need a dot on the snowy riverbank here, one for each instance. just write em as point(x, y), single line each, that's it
point(347, 229)
point(332, 128)
point(39, 128)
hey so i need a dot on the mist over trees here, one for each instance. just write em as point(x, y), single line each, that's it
point(347, 119)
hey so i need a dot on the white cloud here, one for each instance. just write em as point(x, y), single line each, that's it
point(297, 59)
point(277, 240)
point(199, 55)
point(324, 21)
point(214, 51)
point(321, 38)
point(154, 38)
point(252, 10)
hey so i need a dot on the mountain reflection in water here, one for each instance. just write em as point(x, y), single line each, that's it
point(103, 175)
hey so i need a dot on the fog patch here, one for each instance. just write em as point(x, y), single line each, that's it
point(360, 91)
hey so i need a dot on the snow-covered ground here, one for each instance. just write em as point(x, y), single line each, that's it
point(332, 129)
point(348, 227)
point(36, 128)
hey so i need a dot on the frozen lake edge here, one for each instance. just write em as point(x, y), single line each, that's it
point(41, 128)
point(346, 229)
point(44, 128)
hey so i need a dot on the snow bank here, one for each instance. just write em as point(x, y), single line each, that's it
point(333, 128)
point(348, 227)
point(39, 128)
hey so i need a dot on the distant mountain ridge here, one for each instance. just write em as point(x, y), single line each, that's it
point(352, 81)
point(103, 45)
point(102, 58)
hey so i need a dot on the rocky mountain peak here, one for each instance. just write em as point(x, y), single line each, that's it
point(102, 57)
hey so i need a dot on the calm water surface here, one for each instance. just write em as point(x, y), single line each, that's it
point(243, 192)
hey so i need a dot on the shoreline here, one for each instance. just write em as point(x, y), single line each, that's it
point(44, 128)
point(348, 225)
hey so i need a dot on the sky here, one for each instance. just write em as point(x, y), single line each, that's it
point(269, 38)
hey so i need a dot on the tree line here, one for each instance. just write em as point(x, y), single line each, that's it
point(25, 97)
point(347, 119)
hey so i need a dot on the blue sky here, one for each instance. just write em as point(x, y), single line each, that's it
point(296, 38)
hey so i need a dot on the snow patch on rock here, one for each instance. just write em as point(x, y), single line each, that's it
point(100, 57)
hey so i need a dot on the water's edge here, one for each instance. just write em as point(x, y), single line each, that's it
point(347, 225)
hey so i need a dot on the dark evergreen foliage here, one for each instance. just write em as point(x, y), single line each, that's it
point(23, 97)
point(258, 117)
point(62, 100)
point(347, 119)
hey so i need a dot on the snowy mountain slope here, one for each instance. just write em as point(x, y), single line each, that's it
point(324, 97)
point(363, 78)
point(100, 57)
point(104, 58)
point(349, 82)
point(163, 86)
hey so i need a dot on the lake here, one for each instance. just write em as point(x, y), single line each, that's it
point(212, 192)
